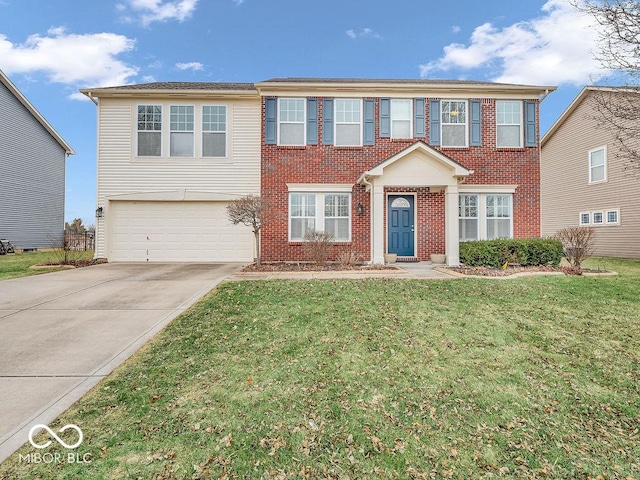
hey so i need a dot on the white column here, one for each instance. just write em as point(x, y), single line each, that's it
point(452, 227)
point(377, 223)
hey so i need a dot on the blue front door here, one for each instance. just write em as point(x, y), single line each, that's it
point(400, 225)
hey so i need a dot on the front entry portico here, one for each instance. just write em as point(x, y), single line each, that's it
point(415, 167)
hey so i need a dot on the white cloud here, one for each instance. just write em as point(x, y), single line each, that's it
point(150, 11)
point(554, 48)
point(362, 33)
point(88, 60)
point(238, 2)
point(190, 66)
point(455, 29)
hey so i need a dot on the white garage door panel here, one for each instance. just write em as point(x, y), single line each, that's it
point(177, 232)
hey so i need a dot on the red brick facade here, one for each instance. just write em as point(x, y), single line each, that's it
point(330, 164)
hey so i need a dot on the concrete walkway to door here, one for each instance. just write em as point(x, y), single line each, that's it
point(61, 333)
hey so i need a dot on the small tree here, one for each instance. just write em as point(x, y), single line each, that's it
point(578, 243)
point(75, 227)
point(252, 211)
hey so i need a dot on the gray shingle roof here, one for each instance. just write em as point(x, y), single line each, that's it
point(184, 86)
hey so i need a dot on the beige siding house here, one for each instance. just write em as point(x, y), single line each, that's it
point(583, 181)
point(170, 158)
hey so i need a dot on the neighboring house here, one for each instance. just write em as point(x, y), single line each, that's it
point(584, 181)
point(170, 158)
point(410, 167)
point(32, 173)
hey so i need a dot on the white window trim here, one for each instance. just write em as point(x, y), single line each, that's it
point(320, 218)
point(200, 123)
point(194, 131)
point(521, 124)
point(604, 148)
point(580, 218)
point(466, 123)
point(304, 121)
point(606, 216)
point(336, 123)
point(482, 212)
point(593, 218)
point(161, 131)
point(411, 116)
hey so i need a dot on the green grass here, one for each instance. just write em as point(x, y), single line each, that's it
point(18, 265)
point(474, 378)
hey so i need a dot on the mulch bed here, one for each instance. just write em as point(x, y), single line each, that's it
point(513, 269)
point(312, 267)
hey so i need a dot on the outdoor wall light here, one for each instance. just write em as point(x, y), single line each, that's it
point(360, 209)
point(99, 212)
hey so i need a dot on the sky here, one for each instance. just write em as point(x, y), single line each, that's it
point(50, 49)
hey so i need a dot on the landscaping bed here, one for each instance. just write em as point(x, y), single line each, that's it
point(313, 267)
point(517, 269)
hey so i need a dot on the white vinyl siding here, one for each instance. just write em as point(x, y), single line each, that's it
point(598, 165)
point(485, 216)
point(327, 212)
point(214, 131)
point(181, 124)
point(348, 122)
point(149, 138)
point(509, 124)
point(401, 118)
point(454, 123)
point(291, 121)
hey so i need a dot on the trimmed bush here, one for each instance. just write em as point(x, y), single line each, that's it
point(526, 252)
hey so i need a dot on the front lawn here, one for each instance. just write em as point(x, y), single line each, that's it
point(18, 265)
point(471, 378)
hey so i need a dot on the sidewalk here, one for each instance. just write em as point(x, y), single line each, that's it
point(417, 270)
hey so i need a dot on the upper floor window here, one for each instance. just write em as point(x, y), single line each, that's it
point(509, 124)
point(291, 121)
point(149, 130)
point(454, 123)
point(348, 124)
point(598, 165)
point(401, 117)
point(181, 139)
point(214, 131)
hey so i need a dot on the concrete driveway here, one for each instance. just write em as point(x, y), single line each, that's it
point(61, 333)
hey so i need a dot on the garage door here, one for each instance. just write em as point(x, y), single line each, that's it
point(177, 232)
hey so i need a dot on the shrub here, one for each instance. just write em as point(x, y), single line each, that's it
point(348, 258)
point(578, 243)
point(526, 252)
point(317, 246)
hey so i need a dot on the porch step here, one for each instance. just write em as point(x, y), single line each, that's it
point(407, 259)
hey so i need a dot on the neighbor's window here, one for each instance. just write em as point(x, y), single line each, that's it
point(509, 124)
point(468, 212)
point(498, 216)
point(401, 116)
point(214, 131)
point(598, 165)
point(348, 122)
point(291, 123)
point(149, 130)
point(613, 216)
point(454, 123)
point(181, 131)
point(329, 212)
point(598, 218)
point(585, 218)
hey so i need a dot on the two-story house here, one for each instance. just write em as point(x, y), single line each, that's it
point(410, 167)
point(585, 179)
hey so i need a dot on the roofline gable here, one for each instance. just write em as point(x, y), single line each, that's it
point(36, 114)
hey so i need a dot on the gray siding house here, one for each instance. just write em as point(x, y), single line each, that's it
point(584, 182)
point(32, 172)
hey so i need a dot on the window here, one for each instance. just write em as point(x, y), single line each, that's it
point(468, 211)
point(454, 123)
point(498, 216)
point(585, 218)
point(348, 122)
point(181, 131)
point(291, 124)
point(485, 216)
point(329, 212)
point(214, 131)
point(149, 130)
point(613, 216)
point(509, 124)
point(598, 165)
point(401, 115)
point(598, 218)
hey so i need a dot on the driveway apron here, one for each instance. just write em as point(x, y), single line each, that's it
point(62, 332)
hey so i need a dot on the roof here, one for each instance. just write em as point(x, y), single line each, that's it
point(577, 101)
point(36, 114)
point(173, 89)
point(412, 81)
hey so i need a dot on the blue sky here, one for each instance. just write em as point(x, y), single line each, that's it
point(50, 49)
